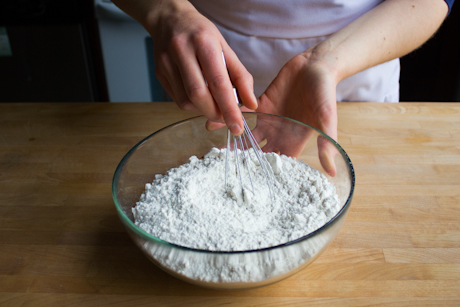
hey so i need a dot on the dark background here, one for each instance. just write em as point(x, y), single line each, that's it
point(432, 72)
point(57, 56)
point(56, 52)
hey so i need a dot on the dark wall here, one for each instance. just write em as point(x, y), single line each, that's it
point(432, 72)
point(56, 54)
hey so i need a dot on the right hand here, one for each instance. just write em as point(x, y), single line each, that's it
point(188, 57)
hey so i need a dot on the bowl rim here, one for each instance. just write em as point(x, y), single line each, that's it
point(127, 222)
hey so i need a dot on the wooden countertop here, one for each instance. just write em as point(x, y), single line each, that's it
point(61, 242)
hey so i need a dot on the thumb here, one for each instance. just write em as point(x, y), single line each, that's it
point(327, 152)
point(327, 149)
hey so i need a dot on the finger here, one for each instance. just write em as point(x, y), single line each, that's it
point(212, 126)
point(194, 84)
point(245, 109)
point(165, 83)
point(326, 148)
point(289, 143)
point(216, 75)
point(240, 78)
point(167, 87)
point(171, 73)
point(259, 135)
point(267, 132)
point(327, 152)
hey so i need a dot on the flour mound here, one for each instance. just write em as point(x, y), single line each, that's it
point(191, 206)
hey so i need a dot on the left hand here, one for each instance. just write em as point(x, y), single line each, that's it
point(304, 90)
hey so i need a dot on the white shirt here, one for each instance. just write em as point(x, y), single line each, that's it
point(284, 18)
point(265, 34)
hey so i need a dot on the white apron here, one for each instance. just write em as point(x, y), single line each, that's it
point(265, 34)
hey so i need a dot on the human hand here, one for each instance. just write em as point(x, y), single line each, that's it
point(188, 56)
point(304, 90)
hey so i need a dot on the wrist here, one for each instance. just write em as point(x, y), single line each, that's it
point(160, 12)
point(324, 57)
point(151, 13)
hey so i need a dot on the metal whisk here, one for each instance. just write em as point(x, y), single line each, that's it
point(243, 141)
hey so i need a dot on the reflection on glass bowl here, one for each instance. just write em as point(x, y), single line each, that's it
point(172, 146)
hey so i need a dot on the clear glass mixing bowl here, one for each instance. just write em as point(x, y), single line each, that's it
point(173, 145)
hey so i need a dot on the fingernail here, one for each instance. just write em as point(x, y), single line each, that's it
point(210, 126)
point(254, 99)
point(235, 129)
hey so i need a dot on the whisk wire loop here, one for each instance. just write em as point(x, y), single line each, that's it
point(264, 164)
point(260, 156)
point(246, 160)
point(246, 141)
point(226, 159)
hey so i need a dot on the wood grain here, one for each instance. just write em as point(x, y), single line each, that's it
point(61, 243)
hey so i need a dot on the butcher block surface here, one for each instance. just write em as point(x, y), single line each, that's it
point(62, 244)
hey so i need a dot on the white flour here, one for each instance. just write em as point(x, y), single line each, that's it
point(190, 206)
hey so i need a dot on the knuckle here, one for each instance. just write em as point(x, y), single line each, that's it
point(328, 109)
point(215, 117)
point(197, 93)
point(229, 114)
point(177, 42)
point(217, 82)
point(163, 62)
point(202, 37)
point(298, 61)
point(183, 104)
point(244, 78)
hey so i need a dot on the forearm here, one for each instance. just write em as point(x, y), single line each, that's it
point(390, 30)
point(149, 12)
point(188, 52)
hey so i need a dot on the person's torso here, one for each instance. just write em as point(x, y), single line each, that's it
point(284, 19)
point(265, 34)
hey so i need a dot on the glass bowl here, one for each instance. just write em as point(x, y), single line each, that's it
point(173, 145)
